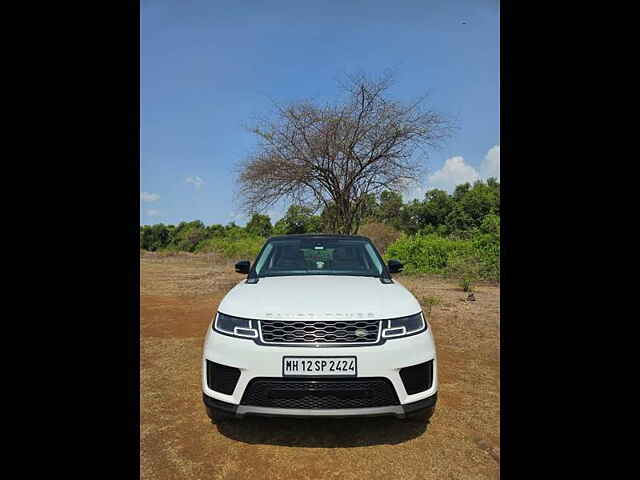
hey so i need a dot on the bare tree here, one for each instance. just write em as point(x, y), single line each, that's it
point(335, 155)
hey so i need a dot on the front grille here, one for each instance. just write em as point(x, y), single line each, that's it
point(320, 393)
point(320, 331)
point(417, 378)
point(222, 378)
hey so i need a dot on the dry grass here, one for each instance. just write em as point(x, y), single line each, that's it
point(185, 274)
point(179, 295)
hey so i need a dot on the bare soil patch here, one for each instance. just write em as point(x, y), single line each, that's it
point(179, 295)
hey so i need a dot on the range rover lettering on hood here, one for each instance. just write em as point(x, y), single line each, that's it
point(321, 315)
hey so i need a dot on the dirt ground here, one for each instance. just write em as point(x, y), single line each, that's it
point(178, 297)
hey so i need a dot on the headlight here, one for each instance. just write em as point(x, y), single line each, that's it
point(239, 327)
point(401, 327)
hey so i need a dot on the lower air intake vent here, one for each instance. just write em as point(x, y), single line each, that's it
point(221, 378)
point(319, 393)
point(417, 378)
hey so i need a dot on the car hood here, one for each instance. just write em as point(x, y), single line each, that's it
point(319, 297)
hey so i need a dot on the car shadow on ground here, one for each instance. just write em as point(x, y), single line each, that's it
point(321, 433)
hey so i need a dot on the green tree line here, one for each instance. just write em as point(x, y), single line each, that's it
point(468, 210)
point(457, 233)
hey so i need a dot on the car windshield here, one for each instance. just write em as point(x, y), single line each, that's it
point(319, 256)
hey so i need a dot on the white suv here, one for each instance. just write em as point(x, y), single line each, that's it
point(319, 328)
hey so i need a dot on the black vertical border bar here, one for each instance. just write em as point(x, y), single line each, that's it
point(131, 122)
point(505, 148)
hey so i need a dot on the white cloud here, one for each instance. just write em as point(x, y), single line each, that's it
point(491, 165)
point(456, 171)
point(149, 197)
point(153, 213)
point(196, 181)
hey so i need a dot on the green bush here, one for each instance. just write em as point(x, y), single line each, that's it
point(259, 225)
point(430, 302)
point(427, 253)
point(486, 248)
point(239, 248)
point(467, 259)
point(491, 224)
point(466, 269)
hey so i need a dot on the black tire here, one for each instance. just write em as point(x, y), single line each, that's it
point(421, 416)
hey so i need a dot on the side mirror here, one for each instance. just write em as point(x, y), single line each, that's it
point(395, 266)
point(243, 266)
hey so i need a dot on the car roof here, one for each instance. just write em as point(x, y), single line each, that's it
point(316, 235)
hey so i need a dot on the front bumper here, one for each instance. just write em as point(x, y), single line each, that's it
point(380, 361)
point(239, 411)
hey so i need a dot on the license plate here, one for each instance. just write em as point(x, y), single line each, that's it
point(329, 366)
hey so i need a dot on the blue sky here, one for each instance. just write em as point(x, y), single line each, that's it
point(208, 67)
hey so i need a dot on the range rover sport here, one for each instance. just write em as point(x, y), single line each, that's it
point(319, 328)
